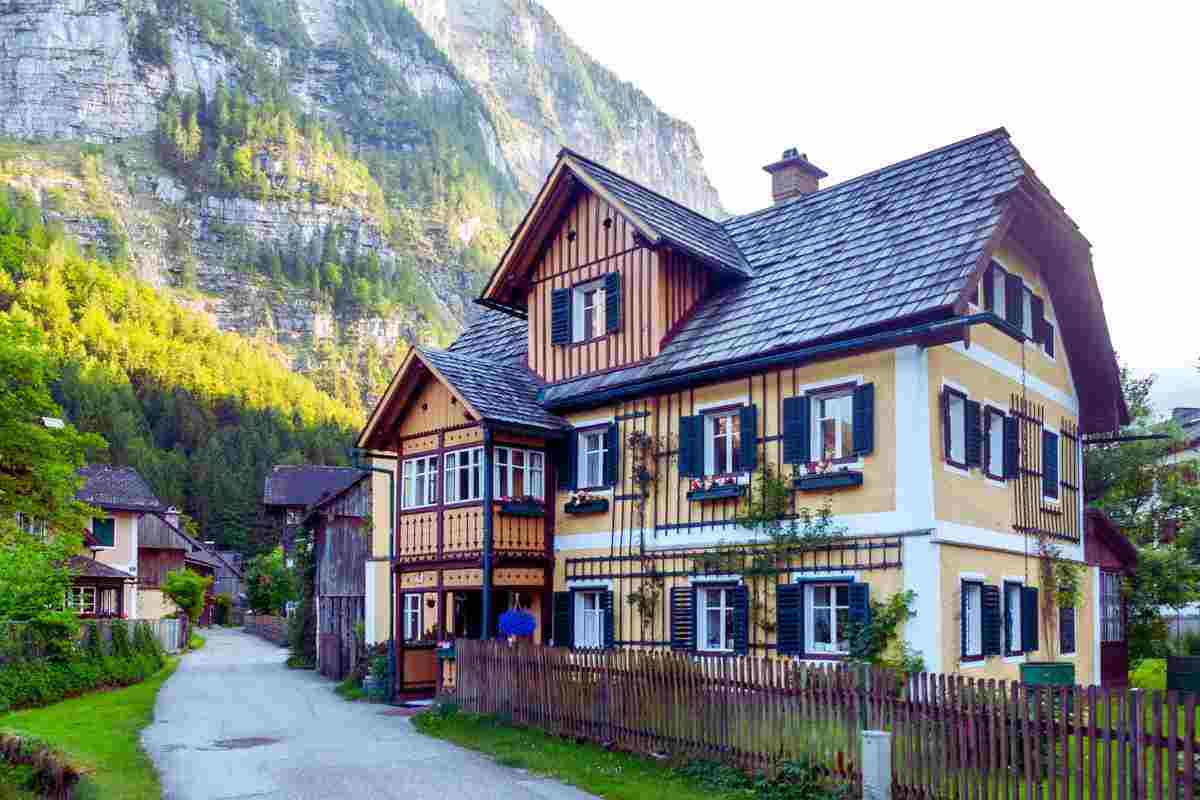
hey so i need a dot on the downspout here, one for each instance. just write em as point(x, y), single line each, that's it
point(488, 491)
point(356, 461)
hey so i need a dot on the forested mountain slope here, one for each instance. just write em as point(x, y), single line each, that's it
point(332, 176)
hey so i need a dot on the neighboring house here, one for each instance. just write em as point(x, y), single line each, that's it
point(288, 491)
point(341, 539)
point(164, 547)
point(922, 347)
point(109, 585)
point(230, 572)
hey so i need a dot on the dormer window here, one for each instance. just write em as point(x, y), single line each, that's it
point(588, 313)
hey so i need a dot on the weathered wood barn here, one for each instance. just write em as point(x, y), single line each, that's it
point(340, 524)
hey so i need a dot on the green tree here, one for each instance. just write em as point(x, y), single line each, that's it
point(269, 583)
point(187, 590)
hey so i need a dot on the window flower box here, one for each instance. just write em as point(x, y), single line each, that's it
point(522, 506)
point(829, 480)
point(445, 651)
point(596, 505)
point(715, 489)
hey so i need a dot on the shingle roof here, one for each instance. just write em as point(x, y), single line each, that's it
point(680, 225)
point(84, 567)
point(120, 488)
point(304, 484)
point(500, 392)
point(889, 245)
point(493, 335)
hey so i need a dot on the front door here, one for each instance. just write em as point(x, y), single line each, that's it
point(1114, 648)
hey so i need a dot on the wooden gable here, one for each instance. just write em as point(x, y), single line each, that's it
point(418, 400)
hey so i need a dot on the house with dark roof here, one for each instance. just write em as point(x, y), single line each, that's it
point(289, 490)
point(104, 580)
point(921, 350)
point(164, 547)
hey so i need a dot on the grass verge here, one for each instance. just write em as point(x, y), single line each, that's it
point(196, 641)
point(350, 689)
point(101, 732)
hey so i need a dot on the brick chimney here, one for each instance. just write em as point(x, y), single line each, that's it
point(793, 175)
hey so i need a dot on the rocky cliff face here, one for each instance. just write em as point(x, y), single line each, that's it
point(458, 108)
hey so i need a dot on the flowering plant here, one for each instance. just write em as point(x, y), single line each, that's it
point(520, 498)
point(580, 496)
point(705, 484)
point(517, 623)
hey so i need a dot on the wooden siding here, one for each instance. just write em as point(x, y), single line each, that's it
point(585, 248)
point(154, 564)
point(681, 284)
point(433, 407)
point(345, 546)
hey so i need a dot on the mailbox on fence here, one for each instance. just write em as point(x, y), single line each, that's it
point(1183, 673)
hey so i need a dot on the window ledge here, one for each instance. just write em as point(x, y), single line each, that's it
point(829, 480)
point(589, 507)
point(717, 493)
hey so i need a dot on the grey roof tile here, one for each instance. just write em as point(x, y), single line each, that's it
point(304, 484)
point(500, 391)
point(107, 486)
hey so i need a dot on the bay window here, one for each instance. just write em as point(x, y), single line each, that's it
point(419, 482)
point(519, 473)
point(464, 475)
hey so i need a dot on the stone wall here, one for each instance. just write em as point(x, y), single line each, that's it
point(271, 628)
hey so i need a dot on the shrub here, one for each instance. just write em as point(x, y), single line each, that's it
point(121, 647)
point(38, 683)
point(1149, 673)
point(187, 590)
point(57, 632)
point(222, 608)
point(92, 646)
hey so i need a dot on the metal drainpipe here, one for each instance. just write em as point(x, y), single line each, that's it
point(488, 490)
point(356, 460)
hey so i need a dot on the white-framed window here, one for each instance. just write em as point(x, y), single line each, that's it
point(82, 599)
point(108, 601)
point(593, 445)
point(999, 300)
point(519, 473)
point(1012, 619)
point(722, 442)
point(827, 612)
point(1027, 311)
point(412, 617)
point(588, 315)
point(715, 619)
point(419, 482)
point(833, 425)
point(972, 622)
point(1112, 621)
point(589, 619)
point(955, 422)
point(993, 426)
point(34, 527)
point(464, 475)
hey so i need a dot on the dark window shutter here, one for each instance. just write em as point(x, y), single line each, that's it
point(860, 603)
point(570, 470)
point(560, 316)
point(1012, 449)
point(104, 531)
point(564, 616)
point(691, 446)
point(683, 618)
point(864, 419)
point(992, 620)
point(1014, 300)
point(1048, 343)
point(962, 620)
point(789, 619)
point(612, 455)
point(797, 418)
point(1066, 629)
point(989, 299)
point(974, 443)
point(612, 302)
point(1039, 318)
point(946, 425)
point(740, 597)
point(1049, 464)
point(1029, 619)
point(606, 601)
point(748, 445)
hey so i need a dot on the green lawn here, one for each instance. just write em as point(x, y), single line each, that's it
point(100, 732)
point(195, 641)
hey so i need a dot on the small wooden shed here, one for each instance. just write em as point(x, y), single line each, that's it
point(341, 527)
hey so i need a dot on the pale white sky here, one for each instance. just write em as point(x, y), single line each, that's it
point(1101, 101)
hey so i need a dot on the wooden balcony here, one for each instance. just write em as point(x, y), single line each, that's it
point(456, 532)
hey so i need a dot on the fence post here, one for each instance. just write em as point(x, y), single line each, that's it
point(877, 765)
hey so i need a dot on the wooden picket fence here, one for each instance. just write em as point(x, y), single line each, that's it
point(954, 738)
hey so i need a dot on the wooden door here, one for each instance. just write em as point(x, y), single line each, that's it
point(1114, 646)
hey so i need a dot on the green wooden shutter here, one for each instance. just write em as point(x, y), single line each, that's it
point(612, 302)
point(1039, 318)
point(570, 470)
point(683, 618)
point(974, 434)
point(606, 603)
point(1029, 619)
point(748, 444)
point(740, 597)
point(560, 316)
point(1048, 343)
point(1014, 300)
point(564, 617)
point(1049, 464)
point(612, 454)
point(864, 419)
point(860, 603)
point(1012, 449)
point(1066, 629)
point(789, 619)
point(989, 299)
point(104, 531)
point(797, 438)
point(691, 446)
point(992, 620)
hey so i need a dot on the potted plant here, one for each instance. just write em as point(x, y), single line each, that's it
point(517, 623)
point(376, 680)
point(582, 502)
point(821, 475)
point(522, 506)
point(445, 650)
